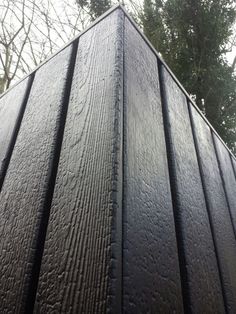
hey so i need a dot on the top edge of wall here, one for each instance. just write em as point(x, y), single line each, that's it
point(160, 59)
point(108, 12)
point(175, 79)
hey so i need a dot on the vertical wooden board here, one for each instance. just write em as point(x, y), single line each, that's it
point(74, 272)
point(201, 284)
point(218, 208)
point(151, 282)
point(10, 108)
point(234, 164)
point(228, 177)
point(23, 193)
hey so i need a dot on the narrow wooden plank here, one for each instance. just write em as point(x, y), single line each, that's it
point(26, 184)
point(218, 208)
point(151, 281)
point(228, 177)
point(234, 165)
point(75, 275)
point(201, 282)
point(11, 106)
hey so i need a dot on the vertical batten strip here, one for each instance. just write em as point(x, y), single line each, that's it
point(228, 177)
point(218, 211)
point(233, 160)
point(43, 223)
point(81, 265)
point(9, 138)
point(207, 201)
point(115, 269)
point(151, 280)
point(174, 190)
point(22, 199)
point(104, 166)
point(197, 254)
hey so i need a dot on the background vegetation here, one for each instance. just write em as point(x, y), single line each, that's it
point(193, 37)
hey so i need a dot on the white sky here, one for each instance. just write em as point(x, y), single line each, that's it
point(65, 9)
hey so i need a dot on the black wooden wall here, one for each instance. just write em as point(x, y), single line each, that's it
point(116, 194)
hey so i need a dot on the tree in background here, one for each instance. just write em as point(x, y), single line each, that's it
point(95, 8)
point(31, 30)
point(193, 37)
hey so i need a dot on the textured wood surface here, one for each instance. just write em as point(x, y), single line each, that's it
point(228, 176)
point(11, 106)
point(74, 273)
point(234, 165)
point(218, 209)
point(113, 198)
point(201, 282)
point(151, 282)
point(25, 185)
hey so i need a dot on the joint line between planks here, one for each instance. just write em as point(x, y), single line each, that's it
point(223, 181)
point(207, 202)
point(174, 192)
point(16, 129)
point(42, 230)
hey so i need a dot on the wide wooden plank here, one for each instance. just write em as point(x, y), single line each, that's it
point(218, 208)
point(228, 176)
point(11, 107)
point(201, 282)
point(22, 200)
point(75, 268)
point(151, 282)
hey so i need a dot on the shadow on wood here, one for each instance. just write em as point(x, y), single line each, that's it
point(117, 195)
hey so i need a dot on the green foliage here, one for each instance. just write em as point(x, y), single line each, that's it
point(95, 7)
point(193, 37)
point(99, 7)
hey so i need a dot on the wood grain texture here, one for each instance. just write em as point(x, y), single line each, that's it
point(234, 165)
point(151, 282)
point(202, 288)
point(25, 186)
point(77, 254)
point(228, 177)
point(10, 109)
point(218, 209)
point(135, 172)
